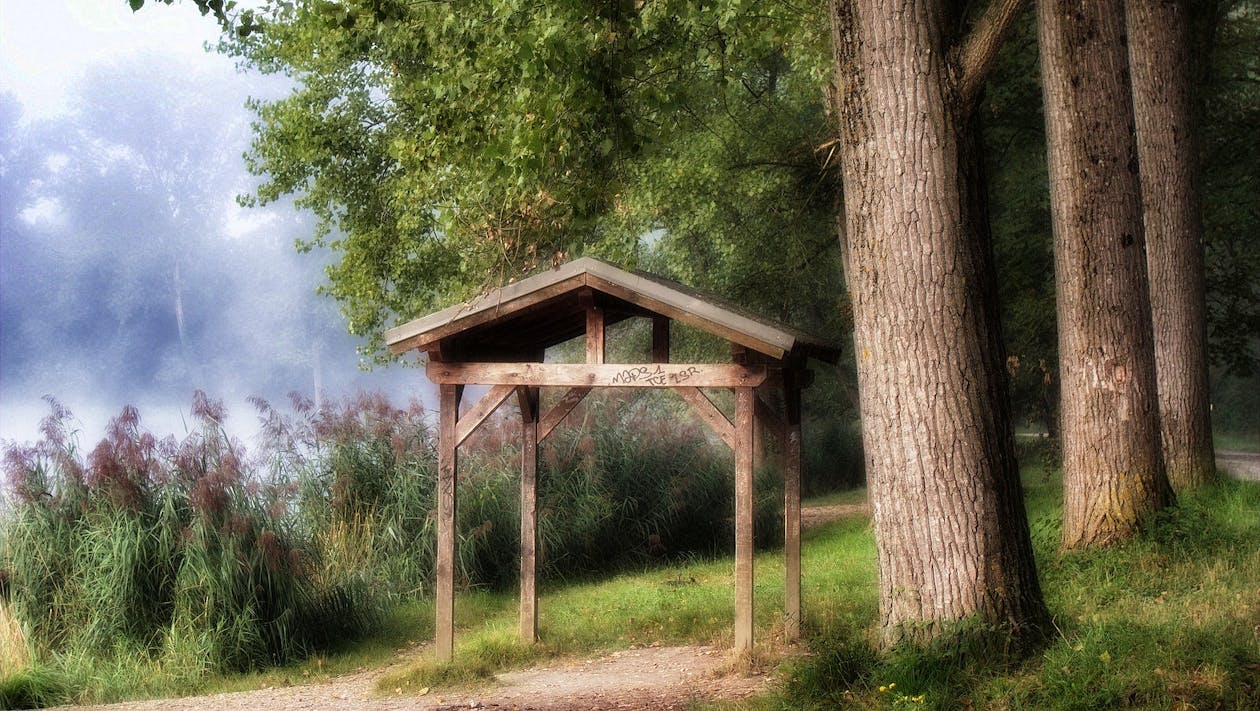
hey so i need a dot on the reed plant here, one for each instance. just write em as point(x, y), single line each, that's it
point(173, 559)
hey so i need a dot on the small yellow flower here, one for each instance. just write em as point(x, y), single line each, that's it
point(892, 685)
point(882, 689)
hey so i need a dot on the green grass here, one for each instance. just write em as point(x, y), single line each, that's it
point(1166, 621)
point(1169, 620)
point(688, 603)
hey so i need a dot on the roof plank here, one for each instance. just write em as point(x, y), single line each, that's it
point(511, 313)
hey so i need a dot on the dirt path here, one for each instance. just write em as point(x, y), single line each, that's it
point(1243, 465)
point(646, 678)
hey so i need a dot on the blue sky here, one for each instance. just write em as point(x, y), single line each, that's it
point(128, 274)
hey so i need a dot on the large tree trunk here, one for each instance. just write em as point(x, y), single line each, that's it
point(950, 527)
point(1113, 471)
point(1167, 152)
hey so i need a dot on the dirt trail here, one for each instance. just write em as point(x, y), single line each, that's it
point(646, 678)
point(1243, 465)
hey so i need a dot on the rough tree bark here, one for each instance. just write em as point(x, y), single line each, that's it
point(950, 526)
point(1113, 472)
point(1168, 155)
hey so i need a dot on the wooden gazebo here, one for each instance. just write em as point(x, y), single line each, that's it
point(499, 340)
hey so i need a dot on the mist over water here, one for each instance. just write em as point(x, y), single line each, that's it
point(128, 273)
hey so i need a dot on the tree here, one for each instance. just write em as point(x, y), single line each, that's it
point(1113, 471)
point(1168, 156)
point(951, 530)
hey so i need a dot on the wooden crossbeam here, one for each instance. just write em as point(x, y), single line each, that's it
point(709, 414)
point(560, 410)
point(646, 375)
point(471, 420)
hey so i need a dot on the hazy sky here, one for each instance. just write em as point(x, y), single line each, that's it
point(128, 274)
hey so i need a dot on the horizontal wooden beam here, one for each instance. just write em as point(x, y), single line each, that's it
point(649, 375)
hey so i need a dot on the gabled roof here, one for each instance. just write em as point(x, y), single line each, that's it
point(550, 308)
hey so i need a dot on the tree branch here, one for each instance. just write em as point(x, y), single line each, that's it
point(981, 46)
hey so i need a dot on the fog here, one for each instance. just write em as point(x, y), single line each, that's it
point(128, 273)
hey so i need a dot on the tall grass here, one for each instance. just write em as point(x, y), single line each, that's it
point(174, 559)
point(160, 553)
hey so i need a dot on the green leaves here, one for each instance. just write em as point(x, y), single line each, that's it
point(446, 149)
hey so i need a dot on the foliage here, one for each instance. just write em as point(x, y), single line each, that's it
point(1228, 34)
point(189, 558)
point(162, 550)
point(445, 149)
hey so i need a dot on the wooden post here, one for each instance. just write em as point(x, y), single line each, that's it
point(594, 329)
point(744, 519)
point(448, 448)
point(529, 513)
point(660, 339)
point(759, 441)
point(791, 445)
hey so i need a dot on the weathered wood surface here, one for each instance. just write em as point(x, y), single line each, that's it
point(709, 414)
point(744, 520)
point(594, 335)
point(497, 304)
point(652, 294)
point(448, 416)
point(790, 445)
point(471, 420)
point(660, 339)
point(529, 514)
point(561, 410)
point(634, 375)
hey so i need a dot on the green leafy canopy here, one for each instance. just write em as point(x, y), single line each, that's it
point(449, 148)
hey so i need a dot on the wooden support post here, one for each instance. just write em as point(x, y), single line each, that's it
point(759, 441)
point(594, 329)
point(660, 339)
point(744, 520)
point(791, 446)
point(448, 448)
point(529, 513)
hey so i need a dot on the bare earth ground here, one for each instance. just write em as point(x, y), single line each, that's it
point(1244, 465)
point(646, 678)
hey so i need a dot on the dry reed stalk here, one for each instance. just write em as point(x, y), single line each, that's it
point(14, 654)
